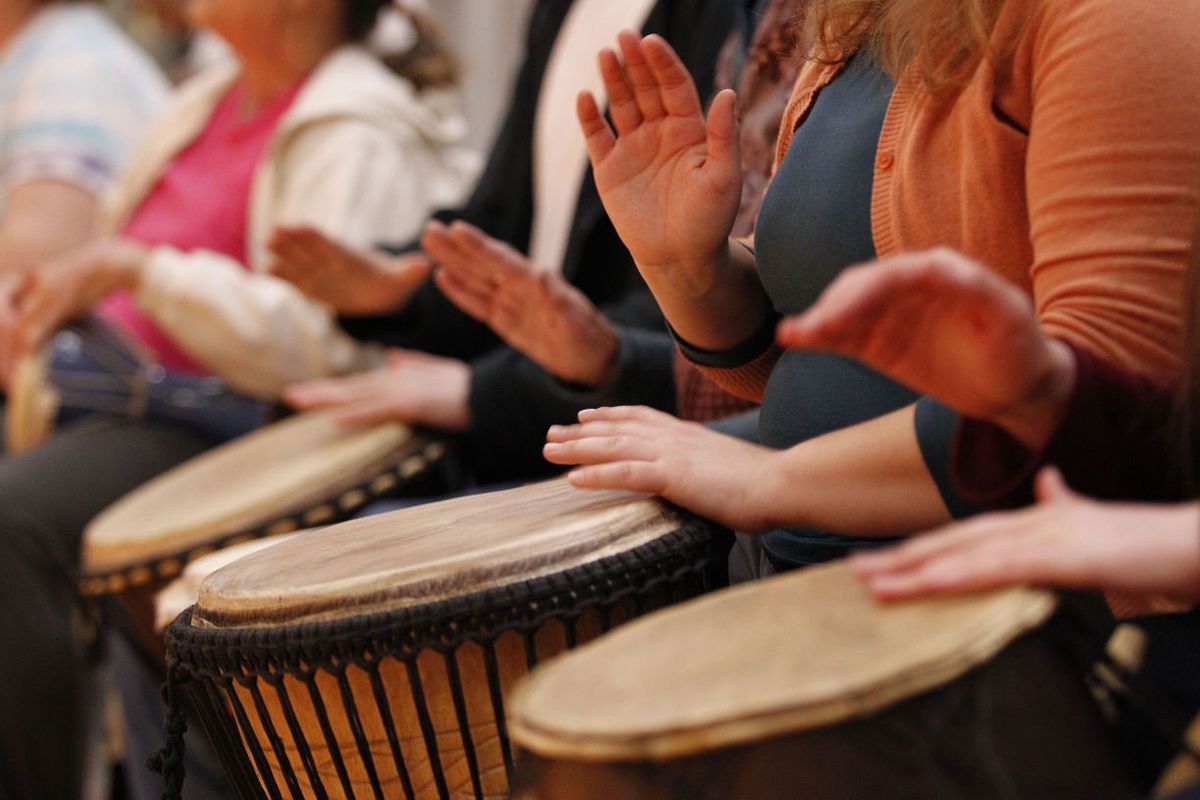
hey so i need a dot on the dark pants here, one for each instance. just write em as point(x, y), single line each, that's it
point(47, 496)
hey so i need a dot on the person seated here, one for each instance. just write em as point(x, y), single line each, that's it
point(536, 311)
point(1028, 400)
point(888, 148)
point(537, 198)
point(78, 97)
point(308, 128)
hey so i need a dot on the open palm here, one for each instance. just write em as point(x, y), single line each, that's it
point(533, 309)
point(944, 326)
point(670, 179)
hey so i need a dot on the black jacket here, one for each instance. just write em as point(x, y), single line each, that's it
point(512, 400)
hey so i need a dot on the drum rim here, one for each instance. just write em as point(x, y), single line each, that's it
point(1036, 611)
point(373, 482)
point(299, 649)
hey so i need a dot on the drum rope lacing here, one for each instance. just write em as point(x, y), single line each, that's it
point(209, 657)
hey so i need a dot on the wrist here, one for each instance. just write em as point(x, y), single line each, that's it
point(124, 262)
point(773, 493)
point(1038, 414)
point(602, 359)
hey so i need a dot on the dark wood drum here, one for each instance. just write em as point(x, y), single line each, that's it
point(803, 687)
point(374, 658)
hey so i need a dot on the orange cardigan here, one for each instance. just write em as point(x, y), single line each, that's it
point(1070, 166)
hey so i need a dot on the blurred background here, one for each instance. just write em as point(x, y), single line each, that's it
point(485, 36)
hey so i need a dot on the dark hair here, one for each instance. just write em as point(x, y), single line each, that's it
point(427, 64)
point(359, 17)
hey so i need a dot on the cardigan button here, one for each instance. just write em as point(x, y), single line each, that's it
point(886, 160)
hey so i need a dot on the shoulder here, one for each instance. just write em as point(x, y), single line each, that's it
point(351, 89)
point(79, 41)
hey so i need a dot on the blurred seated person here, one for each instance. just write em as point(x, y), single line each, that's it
point(537, 198)
point(308, 127)
point(77, 98)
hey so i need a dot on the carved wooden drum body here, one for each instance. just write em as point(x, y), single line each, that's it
point(374, 658)
point(803, 687)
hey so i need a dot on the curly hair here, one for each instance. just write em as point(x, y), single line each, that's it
point(946, 38)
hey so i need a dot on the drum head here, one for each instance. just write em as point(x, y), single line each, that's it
point(32, 405)
point(181, 593)
point(788, 654)
point(428, 553)
point(238, 487)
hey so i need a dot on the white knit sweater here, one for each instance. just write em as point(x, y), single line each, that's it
point(360, 155)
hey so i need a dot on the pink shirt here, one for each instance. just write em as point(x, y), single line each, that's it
point(200, 202)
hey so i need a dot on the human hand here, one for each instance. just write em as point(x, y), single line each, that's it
point(414, 388)
point(1065, 541)
point(670, 179)
point(39, 301)
point(535, 311)
point(642, 450)
point(353, 283)
point(950, 328)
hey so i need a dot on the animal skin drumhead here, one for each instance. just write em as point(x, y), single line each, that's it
point(232, 486)
point(792, 653)
point(431, 552)
point(181, 593)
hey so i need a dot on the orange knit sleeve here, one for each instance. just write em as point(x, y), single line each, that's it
point(1112, 172)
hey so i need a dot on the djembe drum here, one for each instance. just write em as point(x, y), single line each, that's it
point(374, 658)
point(803, 687)
point(299, 473)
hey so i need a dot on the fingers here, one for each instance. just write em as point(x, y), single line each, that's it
point(676, 87)
point(330, 393)
point(596, 131)
point(472, 300)
point(366, 412)
point(641, 77)
point(846, 313)
point(632, 476)
point(622, 103)
point(724, 143)
point(1051, 487)
point(618, 413)
point(595, 449)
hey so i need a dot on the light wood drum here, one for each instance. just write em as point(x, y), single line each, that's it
point(803, 687)
point(374, 658)
point(299, 473)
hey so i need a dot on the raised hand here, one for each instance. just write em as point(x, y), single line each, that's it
point(353, 283)
point(950, 328)
point(642, 450)
point(414, 388)
point(1066, 541)
point(534, 310)
point(670, 180)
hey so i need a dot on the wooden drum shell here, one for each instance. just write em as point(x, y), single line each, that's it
point(1022, 727)
point(410, 703)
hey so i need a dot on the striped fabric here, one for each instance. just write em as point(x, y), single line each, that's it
point(75, 99)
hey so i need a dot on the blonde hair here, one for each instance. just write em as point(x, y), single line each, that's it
point(946, 39)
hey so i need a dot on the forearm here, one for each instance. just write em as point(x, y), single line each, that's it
point(869, 479)
point(719, 311)
point(44, 220)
